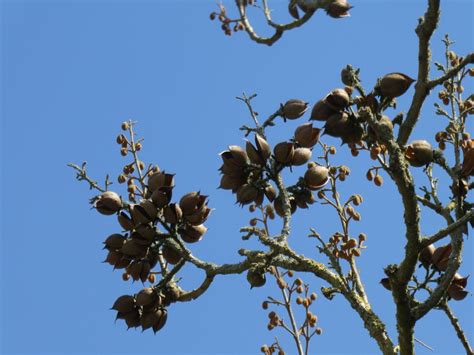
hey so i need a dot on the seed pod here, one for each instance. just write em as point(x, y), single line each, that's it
point(192, 234)
point(113, 257)
point(426, 255)
point(270, 193)
point(321, 111)
point(284, 152)
point(160, 179)
point(124, 304)
point(336, 124)
point(114, 242)
point(338, 99)
point(256, 278)
point(135, 270)
point(393, 85)
point(457, 292)
point(301, 156)
point(149, 209)
point(132, 249)
point(189, 202)
point(146, 296)
point(316, 177)
point(229, 182)
point(139, 215)
point(171, 256)
point(468, 163)
point(338, 8)
point(440, 257)
point(162, 196)
point(386, 283)
point(459, 280)
point(125, 221)
point(153, 319)
point(246, 194)
point(132, 319)
point(278, 205)
point(108, 203)
point(263, 147)
point(306, 135)
point(199, 216)
point(419, 153)
point(304, 198)
point(294, 109)
point(172, 213)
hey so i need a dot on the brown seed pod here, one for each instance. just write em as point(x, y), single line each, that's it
point(132, 319)
point(306, 135)
point(153, 319)
point(426, 255)
point(316, 177)
point(171, 256)
point(192, 234)
point(419, 153)
point(270, 193)
point(113, 257)
point(108, 203)
point(124, 304)
point(468, 163)
point(278, 205)
point(172, 213)
point(338, 99)
point(294, 109)
point(132, 249)
point(199, 216)
point(440, 257)
point(146, 296)
point(256, 278)
point(393, 85)
point(162, 196)
point(301, 156)
point(233, 183)
point(457, 292)
point(321, 111)
point(135, 270)
point(114, 242)
point(160, 179)
point(338, 8)
point(283, 152)
point(246, 194)
point(125, 221)
point(386, 283)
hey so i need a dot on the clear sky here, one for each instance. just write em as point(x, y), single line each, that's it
point(72, 71)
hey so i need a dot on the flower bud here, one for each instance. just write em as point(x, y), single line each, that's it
point(108, 203)
point(306, 135)
point(294, 109)
point(393, 85)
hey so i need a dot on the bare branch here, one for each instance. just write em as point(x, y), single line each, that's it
point(457, 327)
point(469, 59)
point(448, 230)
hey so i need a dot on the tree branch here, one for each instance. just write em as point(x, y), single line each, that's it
point(457, 327)
point(469, 59)
point(424, 30)
point(448, 230)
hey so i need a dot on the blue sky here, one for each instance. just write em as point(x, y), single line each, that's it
point(72, 71)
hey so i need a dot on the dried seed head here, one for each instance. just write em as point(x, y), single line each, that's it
point(321, 111)
point(256, 278)
point(124, 304)
point(171, 256)
point(108, 203)
point(283, 152)
point(338, 99)
point(316, 177)
point(294, 109)
point(301, 156)
point(146, 296)
point(338, 8)
point(419, 153)
point(306, 135)
point(192, 234)
point(393, 85)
